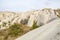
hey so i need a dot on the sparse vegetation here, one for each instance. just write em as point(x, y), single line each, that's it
point(34, 25)
point(25, 21)
point(13, 31)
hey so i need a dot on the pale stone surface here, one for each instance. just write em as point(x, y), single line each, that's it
point(42, 16)
point(49, 31)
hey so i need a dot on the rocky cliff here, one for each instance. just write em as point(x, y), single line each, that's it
point(41, 17)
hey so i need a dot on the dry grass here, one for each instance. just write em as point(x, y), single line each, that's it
point(9, 34)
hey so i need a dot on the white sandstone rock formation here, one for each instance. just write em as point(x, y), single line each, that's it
point(50, 31)
point(42, 16)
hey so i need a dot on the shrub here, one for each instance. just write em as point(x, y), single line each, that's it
point(34, 25)
point(25, 21)
point(14, 30)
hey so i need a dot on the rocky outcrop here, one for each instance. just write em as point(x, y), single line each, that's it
point(50, 31)
point(42, 17)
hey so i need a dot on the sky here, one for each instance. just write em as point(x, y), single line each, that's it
point(24, 5)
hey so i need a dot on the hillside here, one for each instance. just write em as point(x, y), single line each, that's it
point(50, 31)
point(25, 21)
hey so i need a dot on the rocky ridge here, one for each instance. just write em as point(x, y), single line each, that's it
point(42, 16)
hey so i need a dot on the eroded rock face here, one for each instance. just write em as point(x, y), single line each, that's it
point(7, 19)
point(58, 12)
point(50, 31)
point(26, 21)
point(42, 16)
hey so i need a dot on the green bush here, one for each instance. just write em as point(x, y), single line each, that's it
point(14, 30)
point(34, 25)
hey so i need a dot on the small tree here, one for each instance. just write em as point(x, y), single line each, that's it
point(34, 25)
